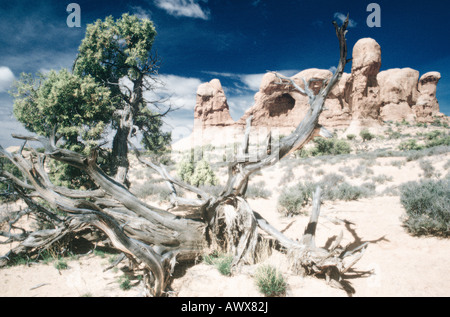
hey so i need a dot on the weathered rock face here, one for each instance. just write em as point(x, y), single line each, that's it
point(427, 105)
point(364, 91)
point(211, 108)
point(365, 97)
point(398, 93)
point(280, 105)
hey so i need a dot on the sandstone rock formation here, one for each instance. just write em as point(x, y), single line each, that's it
point(427, 105)
point(398, 93)
point(211, 106)
point(364, 91)
point(366, 97)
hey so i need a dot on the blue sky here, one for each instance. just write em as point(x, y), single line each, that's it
point(236, 41)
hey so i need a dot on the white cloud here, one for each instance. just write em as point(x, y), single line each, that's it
point(239, 104)
point(186, 8)
point(180, 91)
point(252, 81)
point(6, 78)
point(341, 18)
point(140, 12)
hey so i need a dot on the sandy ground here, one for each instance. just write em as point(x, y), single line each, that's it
point(394, 264)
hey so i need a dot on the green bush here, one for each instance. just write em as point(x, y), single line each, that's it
point(221, 261)
point(186, 169)
point(292, 199)
point(203, 174)
point(330, 147)
point(438, 141)
point(7, 193)
point(366, 135)
point(270, 281)
point(351, 137)
point(348, 192)
point(427, 168)
point(148, 189)
point(257, 191)
point(410, 145)
point(196, 174)
point(427, 205)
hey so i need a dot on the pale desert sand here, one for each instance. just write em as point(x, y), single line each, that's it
point(396, 263)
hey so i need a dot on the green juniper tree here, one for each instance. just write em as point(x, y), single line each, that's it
point(78, 107)
point(118, 55)
point(113, 70)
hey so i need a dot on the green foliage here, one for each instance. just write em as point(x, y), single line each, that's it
point(438, 140)
point(432, 139)
point(61, 264)
point(427, 168)
point(196, 174)
point(203, 174)
point(125, 283)
point(366, 135)
point(112, 49)
point(76, 106)
point(221, 261)
point(427, 205)
point(153, 138)
point(270, 281)
point(294, 198)
point(117, 49)
point(84, 104)
point(351, 137)
point(332, 146)
point(7, 193)
point(410, 145)
point(186, 169)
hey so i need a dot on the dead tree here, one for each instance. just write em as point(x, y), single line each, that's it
point(157, 239)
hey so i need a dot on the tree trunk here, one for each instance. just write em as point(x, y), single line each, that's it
point(119, 161)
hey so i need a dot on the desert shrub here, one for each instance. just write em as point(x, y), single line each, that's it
point(61, 264)
point(292, 199)
point(433, 135)
point(348, 192)
point(382, 178)
point(427, 168)
point(366, 135)
point(410, 145)
point(427, 205)
point(196, 174)
point(437, 140)
point(221, 261)
point(257, 191)
point(186, 169)
point(148, 189)
point(7, 193)
point(270, 281)
point(203, 174)
point(438, 123)
point(333, 146)
point(351, 137)
point(124, 283)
